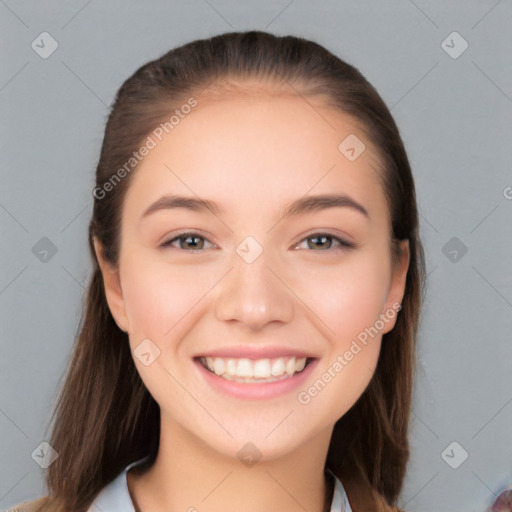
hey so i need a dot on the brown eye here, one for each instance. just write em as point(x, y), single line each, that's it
point(324, 241)
point(187, 242)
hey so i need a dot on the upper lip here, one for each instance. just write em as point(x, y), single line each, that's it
point(255, 352)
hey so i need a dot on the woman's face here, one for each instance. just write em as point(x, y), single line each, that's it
point(251, 285)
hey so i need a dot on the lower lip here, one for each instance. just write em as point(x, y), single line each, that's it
point(256, 391)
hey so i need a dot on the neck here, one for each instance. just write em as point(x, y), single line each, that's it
point(189, 475)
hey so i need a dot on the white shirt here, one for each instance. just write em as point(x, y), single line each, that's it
point(115, 497)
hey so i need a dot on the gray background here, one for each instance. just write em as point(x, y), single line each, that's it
point(455, 116)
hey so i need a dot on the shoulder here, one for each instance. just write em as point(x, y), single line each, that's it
point(29, 506)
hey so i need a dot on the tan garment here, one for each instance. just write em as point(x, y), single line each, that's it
point(28, 506)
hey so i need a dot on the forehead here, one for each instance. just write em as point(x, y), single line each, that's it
point(260, 148)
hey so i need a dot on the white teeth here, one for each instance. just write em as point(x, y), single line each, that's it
point(262, 368)
point(278, 367)
point(231, 367)
point(245, 369)
point(219, 366)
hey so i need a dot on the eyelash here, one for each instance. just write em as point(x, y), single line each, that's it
point(343, 244)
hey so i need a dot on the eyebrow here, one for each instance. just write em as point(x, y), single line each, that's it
point(299, 206)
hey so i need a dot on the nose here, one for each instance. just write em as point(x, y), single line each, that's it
point(254, 294)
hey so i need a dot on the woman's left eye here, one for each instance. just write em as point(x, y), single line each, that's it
point(194, 240)
point(320, 241)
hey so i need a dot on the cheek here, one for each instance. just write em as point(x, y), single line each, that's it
point(346, 297)
point(160, 298)
point(160, 304)
point(164, 303)
point(349, 303)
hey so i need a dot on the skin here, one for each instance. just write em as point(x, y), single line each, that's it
point(252, 154)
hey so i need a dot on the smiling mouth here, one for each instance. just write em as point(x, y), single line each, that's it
point(255, 370)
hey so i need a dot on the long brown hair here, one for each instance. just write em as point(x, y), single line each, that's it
point(104, 417)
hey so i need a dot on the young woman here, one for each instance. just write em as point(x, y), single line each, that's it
point(249, 330)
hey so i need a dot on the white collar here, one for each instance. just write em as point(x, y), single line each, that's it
point(115, 497)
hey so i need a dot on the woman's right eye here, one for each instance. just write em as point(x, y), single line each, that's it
point(192, 241)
